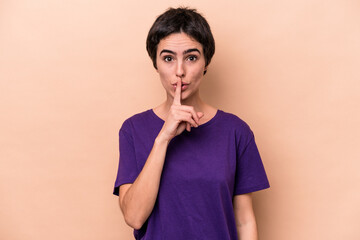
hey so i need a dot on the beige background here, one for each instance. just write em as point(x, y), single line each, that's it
point(72, 71)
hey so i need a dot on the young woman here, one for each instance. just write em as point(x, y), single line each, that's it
point(186, 169)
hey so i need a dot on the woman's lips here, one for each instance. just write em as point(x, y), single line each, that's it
point(183, 86)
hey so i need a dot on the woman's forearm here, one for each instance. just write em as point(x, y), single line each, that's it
point(247, 231)
point(140, 198)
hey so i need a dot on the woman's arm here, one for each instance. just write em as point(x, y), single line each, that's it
point(245, 217)
point(137, 200)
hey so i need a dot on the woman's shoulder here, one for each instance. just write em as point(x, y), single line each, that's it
point(138, 118)
point(237, 126)
point(139, 115)
point(233, 120)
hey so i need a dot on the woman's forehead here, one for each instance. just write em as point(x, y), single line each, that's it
point(178, 42)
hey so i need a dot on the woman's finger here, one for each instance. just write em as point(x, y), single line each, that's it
point(189, 109)
point(192, 111)
point(187, 117)
point(177, 96)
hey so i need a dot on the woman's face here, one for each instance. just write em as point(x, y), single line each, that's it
point(180, 56)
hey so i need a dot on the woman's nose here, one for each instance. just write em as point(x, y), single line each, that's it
point(180, 71)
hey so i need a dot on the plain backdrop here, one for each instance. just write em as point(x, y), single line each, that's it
point(72, 71)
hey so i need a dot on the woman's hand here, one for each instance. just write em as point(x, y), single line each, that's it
point(179, 117)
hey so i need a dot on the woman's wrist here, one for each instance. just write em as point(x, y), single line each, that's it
point(161, 139)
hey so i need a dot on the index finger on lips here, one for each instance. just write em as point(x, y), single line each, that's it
point(177, 96)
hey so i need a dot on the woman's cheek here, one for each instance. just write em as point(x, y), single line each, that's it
point(198, 77)
point(166, 83)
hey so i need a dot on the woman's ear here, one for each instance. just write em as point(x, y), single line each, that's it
point(155, 65)
point(205, 70)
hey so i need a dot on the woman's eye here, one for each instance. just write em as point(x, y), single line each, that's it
point(167, 59)
point(192, 58)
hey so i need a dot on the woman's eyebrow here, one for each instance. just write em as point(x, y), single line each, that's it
point(185, 52)
point(167, 51)
point(192, 50)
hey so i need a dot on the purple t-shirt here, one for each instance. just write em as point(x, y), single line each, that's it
point(203, 170)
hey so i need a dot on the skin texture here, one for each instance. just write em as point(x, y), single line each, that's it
point(180, 61)
point(180, 57)
point(245, 217)
point(189, 66)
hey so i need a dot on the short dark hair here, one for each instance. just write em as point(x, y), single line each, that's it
point(176, 20)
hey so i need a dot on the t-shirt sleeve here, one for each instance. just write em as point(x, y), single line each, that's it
point(127, 168)
point(250, 172)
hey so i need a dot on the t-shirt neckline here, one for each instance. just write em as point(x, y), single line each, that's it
point(200, 126)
